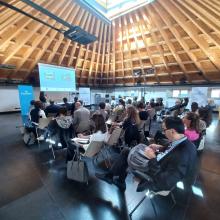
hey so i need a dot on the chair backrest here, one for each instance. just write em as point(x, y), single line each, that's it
point(114, 137)
point(43, 123)
point(51, 115)
point(93, 148)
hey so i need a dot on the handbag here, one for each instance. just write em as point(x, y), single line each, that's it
point(77, 169)
point(106, 157)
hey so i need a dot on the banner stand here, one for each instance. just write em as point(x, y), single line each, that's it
point(25, 96)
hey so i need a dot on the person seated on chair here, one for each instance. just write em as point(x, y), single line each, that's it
point(108, 107)
point(143, 114)
point(66, 104)
point(31, 108)
point(119, 110)
point(165, 168)
point(52, 108)
point(100, 134)
point(191, 122)
point(206, 116)
point(194, 107)
point(100, 131)
point(102, 110)
point(81, 118)
point(60, 129)
point(37, 112)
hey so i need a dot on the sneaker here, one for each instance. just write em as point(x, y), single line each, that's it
point(121, 185)
point(41, 138)
point(104, 177)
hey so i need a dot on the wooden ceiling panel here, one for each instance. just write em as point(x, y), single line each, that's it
point(175, 38)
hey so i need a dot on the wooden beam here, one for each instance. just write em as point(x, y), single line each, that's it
point(170, 6)
point(98, 33)
point(180, 40)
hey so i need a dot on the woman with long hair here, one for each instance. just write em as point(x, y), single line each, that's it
point(99, 133)
point(130, 125)
point(191, 122)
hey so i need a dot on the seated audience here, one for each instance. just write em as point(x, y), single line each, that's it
point(100, 131)
point(31, 107)
point(134, 103)
point(102, 110)
point(37, 112)
point(191, 122)
point(159, 104)
point(206, 116)
point(143, 114)
point(129, 102)
point(108, 107)
point(100, 134)
point(60, 129)
point(81, 118)
point(120, 110)
point(43, 99)
point(166, 165)
point(52, 108)
point(194, 107)
point(66, 104)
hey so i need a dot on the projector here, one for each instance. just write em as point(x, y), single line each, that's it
point(79, 35)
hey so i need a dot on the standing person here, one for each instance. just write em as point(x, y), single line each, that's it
point(81, 118)
point(73, 105)
point(43, 99)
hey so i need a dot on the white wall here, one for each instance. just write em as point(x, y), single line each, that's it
point(10, 99)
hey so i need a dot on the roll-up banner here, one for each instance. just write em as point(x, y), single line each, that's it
point(25, 95)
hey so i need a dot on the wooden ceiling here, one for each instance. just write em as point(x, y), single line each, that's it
point(168, 41)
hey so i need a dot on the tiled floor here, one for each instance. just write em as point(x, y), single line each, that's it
point(34, 187)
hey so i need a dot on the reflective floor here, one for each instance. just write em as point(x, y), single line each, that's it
point(33, 186)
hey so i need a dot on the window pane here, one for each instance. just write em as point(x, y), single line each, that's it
point(176, 93)
point(184, 92)
point(215, 93)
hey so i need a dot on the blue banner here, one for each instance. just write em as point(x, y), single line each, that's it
point(25, 95)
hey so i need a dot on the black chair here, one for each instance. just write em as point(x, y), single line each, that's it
point(150, 194)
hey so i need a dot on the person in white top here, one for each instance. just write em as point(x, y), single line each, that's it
point(100, 132)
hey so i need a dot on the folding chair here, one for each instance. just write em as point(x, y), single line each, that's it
point(151, 194)
point(114, 137)
point(43, 123)
point(93, 148)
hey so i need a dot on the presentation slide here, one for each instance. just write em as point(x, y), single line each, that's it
point(56, 78)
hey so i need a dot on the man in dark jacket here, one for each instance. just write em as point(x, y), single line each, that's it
point(173, 163)
point(52, 108)
point(166, 166)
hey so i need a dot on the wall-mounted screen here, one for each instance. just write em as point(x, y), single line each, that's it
point(56, 78)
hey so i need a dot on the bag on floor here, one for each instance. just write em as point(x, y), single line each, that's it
point(137, 160)
point(29, 138)
point(77, 169)
point(106, 157)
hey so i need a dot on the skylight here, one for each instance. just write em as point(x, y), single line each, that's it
point(112, 9)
